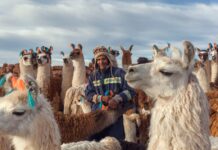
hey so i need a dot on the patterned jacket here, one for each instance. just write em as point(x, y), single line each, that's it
point(112, 79)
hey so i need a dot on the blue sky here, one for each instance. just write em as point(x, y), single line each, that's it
point(31, 23)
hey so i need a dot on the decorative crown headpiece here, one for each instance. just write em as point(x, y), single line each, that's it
point(100, 49)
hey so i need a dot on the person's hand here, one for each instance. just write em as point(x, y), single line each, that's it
point(105, 99)
point(113, 104)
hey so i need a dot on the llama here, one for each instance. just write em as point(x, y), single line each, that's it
point(67, 75)
point(75, 102)
point(84, 104)
point(201, 75)
point(79, 74)
point(28, 118)
point(26, 62)
point(204, 59)
point(31, 123)
point(44, 70)
point(78, 81)
point(126, 57)
point(107, 143)
point(180, 116)
point(214, 66)
point(113, 54)
point(79, 127)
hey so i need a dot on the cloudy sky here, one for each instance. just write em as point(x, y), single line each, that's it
point(31, 23)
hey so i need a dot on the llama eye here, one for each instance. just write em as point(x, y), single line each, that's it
point(18, 112)
point(166, 73)
point(25, 58)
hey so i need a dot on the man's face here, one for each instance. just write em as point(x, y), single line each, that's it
point(102, 62)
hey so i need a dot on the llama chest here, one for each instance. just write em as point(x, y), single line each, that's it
point(22, 144)
point(175, 127)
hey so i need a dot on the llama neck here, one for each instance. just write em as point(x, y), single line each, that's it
point(182, 123)
point(79, 74)
point(126, 61)
point(42, 132)
point(67, 76)
point(67, 73)
point(214, 71)
point(43, 78)
point(44, 71)
point(203, 79)
point(24, 70)
point(113, 60)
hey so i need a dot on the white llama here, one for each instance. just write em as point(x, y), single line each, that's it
point(79, 74)
point(214, 66)
point(67, 75)
point(204, 59)
point(28, 118)
point(201, 75)
point(113, 54)
point(31, 122)
point(180, 117)
point(78, 81)
point(44, 72)
point(26, 63)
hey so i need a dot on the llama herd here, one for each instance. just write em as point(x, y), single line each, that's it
point(175, 110)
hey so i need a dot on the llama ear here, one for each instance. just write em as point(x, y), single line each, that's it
point(51, 49)
point(72, 46)
point(121, 47)
point(155, 50)
point(80, 46)
point(62, 53)
point(109, 50)
point(38, 49)
point(176, 53)
point(130, 48)
point(188, 55)
point(198, 50)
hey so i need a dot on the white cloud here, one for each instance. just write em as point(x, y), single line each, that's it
point(26, 23)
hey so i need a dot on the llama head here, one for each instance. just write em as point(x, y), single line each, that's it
point(160, 51)
point(165, 75)
point(76, 51)
point(26, 57)
point(113, 52)
point(44, 55)
point(66, 59)
point(18, 109)
point(203, 54)
point(127, 52)
point(214, 53)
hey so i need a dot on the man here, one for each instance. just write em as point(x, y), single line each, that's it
point(107, 89)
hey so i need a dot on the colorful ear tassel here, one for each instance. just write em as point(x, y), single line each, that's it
point(2, 81)
point(31, 101)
